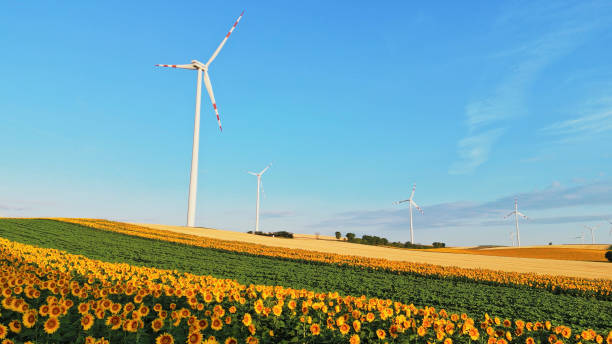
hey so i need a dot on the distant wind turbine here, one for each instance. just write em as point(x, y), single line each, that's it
point(580, 237)
point(411, 204)
point(512, 235)
point(592, 229)
point(199, 66)
point(516, 214)
point(610, 227)
point(258, 175)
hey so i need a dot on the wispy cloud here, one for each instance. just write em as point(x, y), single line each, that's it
point(474, 151)
point(277, 214)
point(466, 213)
point(488, 114)
point(12, 207)
point(595, 117)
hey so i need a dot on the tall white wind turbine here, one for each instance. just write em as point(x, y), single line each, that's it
point(592, 229)
point(200, 67)
point(258, 175)
point(516, 214)
point(411, 203)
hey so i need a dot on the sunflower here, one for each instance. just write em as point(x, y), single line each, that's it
point(165, 338)
point(3, 331)
point(277, 310)
point(8, 341)
point(132, 325)
point(421, 331)
point(211, 340)
point(355, 339)
point(252, 340)
point(44, 310)
point(115, 308)
point(87, 321)
point(29, 319)
point(202, 324)
point(15, 326)
point(246, 320)
point(370, 317)
point(529, 340)
point(344, 329)
point(194, 338)
point(474, 334)
point(381, 334)
point(51, 325)
point(357, 325)
point(55, 311)
point(448, 341)
point(315, 329)
point(157, 324)
point(83, 308)
point(231, 340)
point(566, 332)
point(114, 322)
point(216, 324)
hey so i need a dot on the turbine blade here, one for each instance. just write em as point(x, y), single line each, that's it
point(253, 173)
point(521, 214)
point(417, 206)
point(399, 202)
point(212, 97)
point(507, 216)
point(413, 188)
point(265, 169)
point(187, 66)
point(223, 42)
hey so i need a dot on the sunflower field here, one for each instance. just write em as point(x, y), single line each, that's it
point(50, 296)
point(282, 299)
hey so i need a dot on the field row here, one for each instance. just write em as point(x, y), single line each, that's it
point(50, 295)
point(571, 285)
point(467, 296)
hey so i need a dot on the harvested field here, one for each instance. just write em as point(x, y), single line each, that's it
point(561, 252)
point(582, 269)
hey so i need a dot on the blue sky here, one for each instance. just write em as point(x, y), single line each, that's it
point(352, 102)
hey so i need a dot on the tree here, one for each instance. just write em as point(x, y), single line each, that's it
point(350, 236)
point(338, 235)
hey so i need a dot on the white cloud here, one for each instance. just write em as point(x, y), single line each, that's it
point(488, 113)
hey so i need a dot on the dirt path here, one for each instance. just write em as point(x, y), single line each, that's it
point(541, 266)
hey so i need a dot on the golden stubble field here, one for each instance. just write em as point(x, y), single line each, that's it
point(458, 257)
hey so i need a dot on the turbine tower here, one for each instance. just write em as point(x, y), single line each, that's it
point(516, 213)
point(592, 229)
point(258, 175)
point(200, 67)
point(411, 203)
point(512, 236)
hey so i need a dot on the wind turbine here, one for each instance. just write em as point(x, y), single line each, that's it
point(512, 235)
point(516, 213)
point(610, 227)
point(258, 175)
point(592, 229)
point(411, 204)
point(200, 67)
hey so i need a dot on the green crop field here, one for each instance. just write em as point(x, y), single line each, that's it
point(470, 297)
